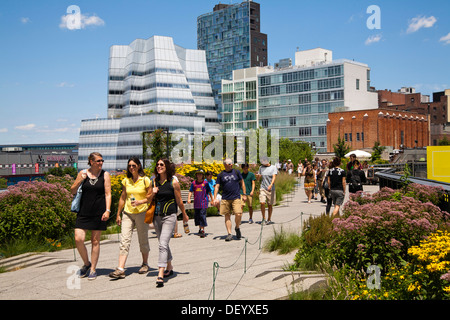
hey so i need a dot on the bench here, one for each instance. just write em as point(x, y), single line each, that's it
point(184, 197)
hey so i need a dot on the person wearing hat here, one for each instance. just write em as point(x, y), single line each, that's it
point(201, 190)
point(267, 173)
point(290, 167)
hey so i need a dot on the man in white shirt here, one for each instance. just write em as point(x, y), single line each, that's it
point(267, 173)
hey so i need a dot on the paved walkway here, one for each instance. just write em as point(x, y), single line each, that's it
point(53, 275)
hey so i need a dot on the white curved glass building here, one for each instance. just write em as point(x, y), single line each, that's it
point(152, 84)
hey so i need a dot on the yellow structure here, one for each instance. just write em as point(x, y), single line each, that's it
point(438, 163)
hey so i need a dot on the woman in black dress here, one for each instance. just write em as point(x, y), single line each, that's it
point(95, 207)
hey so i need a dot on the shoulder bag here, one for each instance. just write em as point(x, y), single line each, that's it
point(75, 207)
point(151, 209)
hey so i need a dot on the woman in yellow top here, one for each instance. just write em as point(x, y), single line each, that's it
point(133, 203)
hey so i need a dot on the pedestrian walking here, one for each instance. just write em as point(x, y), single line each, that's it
point(326, 188)
point(201, 190)
point(212, 185)
point(167, 193)
point(230, 180)
point(249, 181)
point(95, 208)
point(131, 214)
point(290, 167)
point(355, 178)
point(310, 180)
point(320, 178)
point(336, 180)
point(299, 170)
point(267, 174)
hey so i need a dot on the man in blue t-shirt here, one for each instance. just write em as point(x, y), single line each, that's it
point(231, 182)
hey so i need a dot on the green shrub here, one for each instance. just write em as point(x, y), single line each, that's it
point(313, 242)
point(35, 210)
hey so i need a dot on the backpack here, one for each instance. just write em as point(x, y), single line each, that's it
point(355, 179)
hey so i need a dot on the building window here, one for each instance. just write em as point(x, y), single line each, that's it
point(357, 136)
point(292, 121)
point(304, 131)
point(357, 84)
point(350, 136)
point(345, 137)
point(264, 123)
point(362, 136)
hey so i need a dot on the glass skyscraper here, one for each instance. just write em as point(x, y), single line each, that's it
point(153, 84)
point(231, 37)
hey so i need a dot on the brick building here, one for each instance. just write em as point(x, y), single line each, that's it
point(409, 100)
point(361, 129)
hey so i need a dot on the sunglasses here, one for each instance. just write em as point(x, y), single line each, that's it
point(100, 161)
point(160, 165)
point(132, 166)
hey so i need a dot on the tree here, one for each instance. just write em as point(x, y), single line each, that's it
point(156, 145)
point(341, 148)
point(444, 142)
point(295, 151)
point(377, 151)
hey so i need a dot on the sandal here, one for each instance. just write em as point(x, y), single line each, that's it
point(168, 273)
point(159, 282)
point(177, 235)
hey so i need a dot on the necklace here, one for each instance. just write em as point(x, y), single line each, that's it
point(93, 181)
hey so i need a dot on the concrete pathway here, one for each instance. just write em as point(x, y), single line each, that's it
point(53, 276)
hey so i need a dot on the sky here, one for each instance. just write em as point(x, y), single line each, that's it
point(53, 73)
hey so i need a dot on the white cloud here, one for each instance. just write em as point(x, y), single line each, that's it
point(373, 39)
point(445, 39)
point(65, 85)
point(70, 22)
point(420, 22)
point(25, 20)
point(3, 130)
point(26, 127)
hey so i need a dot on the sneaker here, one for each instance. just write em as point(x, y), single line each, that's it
point(202, 233)
point(269, 222)
point(143, 269)
point(92, 275)
point(229, 237)
point(117, 274)
point(84, 271)
point(250, 221)
point(238, 233)
point(263, 222)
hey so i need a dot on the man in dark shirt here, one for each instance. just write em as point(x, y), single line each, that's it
point(231, 182)
point(336, 181)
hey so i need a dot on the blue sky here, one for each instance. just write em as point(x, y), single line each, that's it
point(52, 77)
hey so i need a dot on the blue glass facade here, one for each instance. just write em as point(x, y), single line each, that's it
point(231, 38)
point(297, 102)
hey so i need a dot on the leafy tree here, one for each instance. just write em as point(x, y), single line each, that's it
point(341, 148)
point(444, 142)
point(155, 145)
point(377, 151)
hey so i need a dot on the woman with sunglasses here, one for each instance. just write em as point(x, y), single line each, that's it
point(168, 197)
point(133, 204)
point(95, 207)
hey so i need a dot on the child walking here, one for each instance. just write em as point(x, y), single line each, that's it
point(201, 189)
